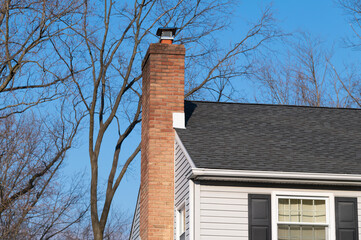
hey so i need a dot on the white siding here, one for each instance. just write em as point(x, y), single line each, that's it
point(223, 210)
point(223, 213)
point(182, 173)
point(134, 234)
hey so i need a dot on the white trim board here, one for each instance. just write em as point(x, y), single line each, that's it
point(191, 209)
point(274, 177)
point(182, 206)
point(179, 120)
point(197, 211)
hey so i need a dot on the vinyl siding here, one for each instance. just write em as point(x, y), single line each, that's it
point(223, 213)
point(182, 173)
point(134, 234)
point(223, 210)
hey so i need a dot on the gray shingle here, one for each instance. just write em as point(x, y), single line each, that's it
point(273, 137)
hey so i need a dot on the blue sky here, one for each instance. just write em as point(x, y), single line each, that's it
point(319, 17)
point(322, 18)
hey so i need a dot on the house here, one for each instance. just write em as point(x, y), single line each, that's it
point(227, 171)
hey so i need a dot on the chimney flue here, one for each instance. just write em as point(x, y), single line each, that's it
point(166, 34)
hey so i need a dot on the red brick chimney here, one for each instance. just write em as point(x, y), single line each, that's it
point(163, 95)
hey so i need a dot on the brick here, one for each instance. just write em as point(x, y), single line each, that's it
point(163, 94)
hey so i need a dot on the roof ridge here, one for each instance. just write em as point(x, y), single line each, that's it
point(276, 105)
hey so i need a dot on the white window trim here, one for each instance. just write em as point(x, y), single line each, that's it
point(191, 224)
point(330, 209)
point(178, 218)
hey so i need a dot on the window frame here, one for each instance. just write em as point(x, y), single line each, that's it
point(179, 218)
point(330, 211)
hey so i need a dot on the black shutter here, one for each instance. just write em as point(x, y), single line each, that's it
point(346, 218)
point(259, 217)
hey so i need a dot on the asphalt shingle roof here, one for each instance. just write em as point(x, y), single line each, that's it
point(272, 137)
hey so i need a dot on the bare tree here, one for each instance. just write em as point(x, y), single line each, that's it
point(351, 82)
point(34, 135)
point(32, 206)
point(115, 37)
point(353, 11)
point(305, 76)
point(118, 228)
point(30, 72)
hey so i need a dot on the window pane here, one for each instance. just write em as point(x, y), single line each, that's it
point(283, 232)
point(320, 233)
point(299, 232)
point(283, 210)
point(295, 232)
point(307, 233)
point(307, 210)
point(320, 214)
point(295, 210)
point(302, 210)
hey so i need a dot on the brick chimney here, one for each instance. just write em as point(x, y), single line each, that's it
point(163, 95)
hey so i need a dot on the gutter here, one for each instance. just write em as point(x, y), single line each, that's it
point(275, 177)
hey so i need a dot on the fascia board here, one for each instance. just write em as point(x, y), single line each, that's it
point(272, 176)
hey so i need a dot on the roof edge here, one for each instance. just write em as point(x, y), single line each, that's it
point(184, 150)
point(277, 105)
point(272, 176)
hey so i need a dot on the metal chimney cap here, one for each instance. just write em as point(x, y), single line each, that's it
point(166, 32)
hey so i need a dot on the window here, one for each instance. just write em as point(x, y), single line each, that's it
point(181, 220)
point(289, 215)
point(303, 218)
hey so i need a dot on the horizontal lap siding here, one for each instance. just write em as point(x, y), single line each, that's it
point(182, 173)
point(224, 209)
point(134, 235)
point(223, 213)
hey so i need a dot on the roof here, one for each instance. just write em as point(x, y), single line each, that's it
point(282, 138)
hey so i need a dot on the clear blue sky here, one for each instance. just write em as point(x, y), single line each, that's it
point(321, 18)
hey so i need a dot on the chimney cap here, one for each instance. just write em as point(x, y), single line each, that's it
point(166, 32)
